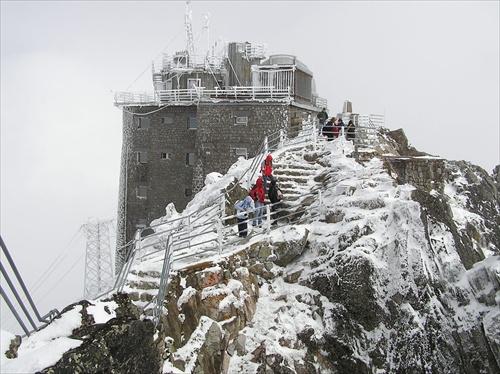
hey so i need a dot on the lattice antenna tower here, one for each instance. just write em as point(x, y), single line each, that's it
point(98, 260)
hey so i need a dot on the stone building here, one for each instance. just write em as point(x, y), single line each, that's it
point(203, 114)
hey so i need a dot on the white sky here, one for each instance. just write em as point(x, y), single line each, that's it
point(431, 67)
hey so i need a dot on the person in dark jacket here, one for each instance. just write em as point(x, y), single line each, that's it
point(351, 130)
point(275, 196)
point(322, 117)
point(328, 129)
point(340, 127)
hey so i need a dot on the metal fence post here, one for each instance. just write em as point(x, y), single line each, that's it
point(219, 223)
point(268, 216)
point(165, 274)
point(314, 137)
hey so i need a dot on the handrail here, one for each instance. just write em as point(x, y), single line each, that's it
point(201, 94)
point(177, 235)
point(47, 318)
point(214, 226)
point(165, 275)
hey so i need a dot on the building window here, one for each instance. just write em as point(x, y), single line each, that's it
point(167, 120)
point(241, 120)
point(142, 223)
point(142, 157)
point(188, 192)
point(192, 83)
point(191, 124)
point(240, 152)
point(142, 192)
point(190, 159)
point(165, 156)
point(142, 123)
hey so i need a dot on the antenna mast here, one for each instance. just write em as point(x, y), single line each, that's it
point(189, 30)
point(207, 26)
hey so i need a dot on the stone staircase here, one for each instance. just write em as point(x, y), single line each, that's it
point(142, 286)
point(295, 176)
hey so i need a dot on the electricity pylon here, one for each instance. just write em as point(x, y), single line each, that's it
point(98, 261)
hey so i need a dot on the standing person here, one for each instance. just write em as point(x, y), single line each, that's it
point(242, 208)
point(275, 196)
point(328, 129)
point(258, 195)
point(322, 117)
point(351, 130)
point(267, 170)
point(340, 127)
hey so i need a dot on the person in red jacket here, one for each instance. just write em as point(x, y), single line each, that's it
point(267, 170)
point(258, 195)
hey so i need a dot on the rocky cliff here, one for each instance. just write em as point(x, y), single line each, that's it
point(400, 273)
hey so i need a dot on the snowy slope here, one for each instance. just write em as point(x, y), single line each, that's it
point(381, 286)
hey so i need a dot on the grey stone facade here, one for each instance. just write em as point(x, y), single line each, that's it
point(164, 161)
point(198, 120)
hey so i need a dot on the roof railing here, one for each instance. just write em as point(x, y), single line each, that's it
point(201, 94)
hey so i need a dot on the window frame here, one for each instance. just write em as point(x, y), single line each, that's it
point(141, 192)
point(142, 123)
point(189, 158)
point(241, 120)
point(190, 120)
point(238, 151)
point(142, 157)
point(167, 120)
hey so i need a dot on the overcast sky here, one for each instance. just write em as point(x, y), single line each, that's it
point(431, 67)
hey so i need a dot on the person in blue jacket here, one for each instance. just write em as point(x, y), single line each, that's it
point(242, 208)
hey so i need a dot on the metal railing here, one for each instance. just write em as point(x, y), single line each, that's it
point(200, 94)
point(209, 230)
point(29, 315)
point(211, 238)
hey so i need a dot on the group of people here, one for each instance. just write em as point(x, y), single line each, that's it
point(255, 200)
point(332, 128)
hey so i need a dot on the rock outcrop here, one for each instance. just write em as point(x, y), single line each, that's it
point(124, 344)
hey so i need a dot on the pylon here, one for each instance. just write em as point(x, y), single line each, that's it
point(98, 261)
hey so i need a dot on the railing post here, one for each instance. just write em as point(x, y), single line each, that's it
point(268, 216)
point(314, 136)
point(266, 146)
point(165, 274)
point(219, 223)
point(138, 244)
point(282, 139)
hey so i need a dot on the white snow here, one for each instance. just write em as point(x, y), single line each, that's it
point(368, 198)
point(45, 347)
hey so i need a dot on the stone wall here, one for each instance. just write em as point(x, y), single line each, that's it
point(219, 137)
point(422, 172)
point(164, 141)
point(157, 142)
